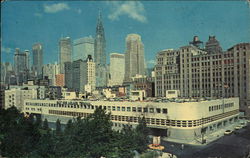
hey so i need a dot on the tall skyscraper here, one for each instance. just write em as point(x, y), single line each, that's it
point(83, 47)
point(117, 69)
point(65, 51)
point(134, 57)
point(21, 66)
point(100, 54)
point(37, 59)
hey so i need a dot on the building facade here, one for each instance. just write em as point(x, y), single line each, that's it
point(16, 97)
point(60, 80)
point(144, 83)
point(21, 66)
point(100, 54)
point(37, 51)
point(116, 69)
point(183, 121)
point(134, 57)
point(51, 70)
point(65, 51)
point(197, 73)
point(83, 47)
point(89, 74)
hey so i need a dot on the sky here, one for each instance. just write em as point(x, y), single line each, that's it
point(161, 24)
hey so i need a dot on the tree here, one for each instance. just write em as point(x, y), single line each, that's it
point(58, 127)
point(142, 135)
point(45, 125)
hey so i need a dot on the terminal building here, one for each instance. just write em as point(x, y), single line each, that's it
point(182, 119)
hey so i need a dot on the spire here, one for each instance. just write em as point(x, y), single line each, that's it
point(99, 21)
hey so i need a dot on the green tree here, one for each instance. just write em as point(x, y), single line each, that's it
point(142, 132)
point(58, 127)
point(45, 124)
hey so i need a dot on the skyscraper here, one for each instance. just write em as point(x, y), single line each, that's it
point(80, 73)
point(134, 57)
point(99, 54)
point(83, 47)
point(37, 59)
point(117, 69)
point(51, 70)
point(21, 66)
point(65, 51)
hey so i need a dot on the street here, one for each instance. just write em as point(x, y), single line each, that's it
point(230, 146)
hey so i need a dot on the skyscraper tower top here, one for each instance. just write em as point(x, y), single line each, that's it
point(133, 36)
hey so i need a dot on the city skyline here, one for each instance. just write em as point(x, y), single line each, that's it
point(121, 18)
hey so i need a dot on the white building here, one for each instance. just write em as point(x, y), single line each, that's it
point(51, 70)
point(16, 97)
point(117, 69)
point(137, 95)
point(134, 57)
point(30, 86)
point(183, 121)
point(89, 75)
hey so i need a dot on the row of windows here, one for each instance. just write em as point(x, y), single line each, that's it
point(152, 121)
point(218, 107)
point(110, 108)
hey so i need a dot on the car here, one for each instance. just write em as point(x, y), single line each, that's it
point(238, 127)
point(243, 125)
point(228, 132)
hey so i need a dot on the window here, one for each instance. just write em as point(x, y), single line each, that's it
point(128, 108)
point(158, 110)
point(165, 111)
point(134, 109)
point(139, 109)
point(123, 108)
point(151, 110)
point(145, 109)
point(118, 108)
point(113, 108)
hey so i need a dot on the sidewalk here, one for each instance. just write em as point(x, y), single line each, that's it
point(209, 137)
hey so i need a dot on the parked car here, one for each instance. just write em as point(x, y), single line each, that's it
point(243, 125)
point(238, 127)
point(228, 132)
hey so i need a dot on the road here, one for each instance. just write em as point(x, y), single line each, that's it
point(231, 146)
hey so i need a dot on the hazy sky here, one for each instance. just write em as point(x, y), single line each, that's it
point(161, 24)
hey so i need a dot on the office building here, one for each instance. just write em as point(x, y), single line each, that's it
point(60, 80)
point(37, 51)
point(68, 78)
point(89, 74)
point(80, 73)
point(65, 51)
point(116, 69)
point(21, 66)
point(16, 97)
point(134, 57)
point(51, 70)
point(100, 54)
point(197, 73)
point(82, 48)
point(144, 83)
point(179, 120)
